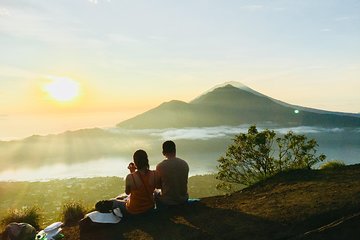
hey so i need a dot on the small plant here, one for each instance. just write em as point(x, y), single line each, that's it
point(72, 212)
point(28, 215)
point(332, 164)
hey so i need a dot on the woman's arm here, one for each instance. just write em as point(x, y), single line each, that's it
point(128, 184)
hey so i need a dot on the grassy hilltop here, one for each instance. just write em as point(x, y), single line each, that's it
point(50, 196)
point(300, 204)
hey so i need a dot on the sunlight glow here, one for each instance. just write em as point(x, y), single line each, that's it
point(62, 89)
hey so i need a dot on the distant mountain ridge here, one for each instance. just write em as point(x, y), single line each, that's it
point(234, 105)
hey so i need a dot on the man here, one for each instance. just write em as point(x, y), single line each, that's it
point(172, 177)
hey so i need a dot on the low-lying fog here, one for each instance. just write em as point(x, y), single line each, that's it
point(201, 147)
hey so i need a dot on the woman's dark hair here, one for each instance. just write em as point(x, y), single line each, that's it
point(141, 160)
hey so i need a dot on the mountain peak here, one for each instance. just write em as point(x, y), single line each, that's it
point(228, 84)
point(233, 103)
point(231, 83)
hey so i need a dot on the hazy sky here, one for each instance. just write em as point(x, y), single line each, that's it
point(133, 55)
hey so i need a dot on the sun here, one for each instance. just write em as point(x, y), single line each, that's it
point(62, 89)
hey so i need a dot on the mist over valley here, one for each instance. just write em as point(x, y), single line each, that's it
point(202, 130)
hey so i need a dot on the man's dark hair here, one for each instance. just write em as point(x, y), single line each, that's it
point(141, 159)
point(169, 147)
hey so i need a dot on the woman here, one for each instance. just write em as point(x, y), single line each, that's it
point(140, 185)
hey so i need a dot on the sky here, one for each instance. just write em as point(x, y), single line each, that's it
point(126, 57)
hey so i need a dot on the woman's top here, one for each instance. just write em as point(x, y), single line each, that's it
point(141, 195)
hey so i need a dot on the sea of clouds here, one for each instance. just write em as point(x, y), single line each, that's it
point(206, 133)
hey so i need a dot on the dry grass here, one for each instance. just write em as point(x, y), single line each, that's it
point(28, 215)
point(73, 212)
point(283, 207)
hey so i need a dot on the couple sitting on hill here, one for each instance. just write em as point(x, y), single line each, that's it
point(142, 184)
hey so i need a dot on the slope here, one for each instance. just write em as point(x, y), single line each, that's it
point(291, 205)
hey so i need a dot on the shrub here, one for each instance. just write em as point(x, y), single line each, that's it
point(332, 164)
point(255, 156)
point(72, 212)
point(28, 215)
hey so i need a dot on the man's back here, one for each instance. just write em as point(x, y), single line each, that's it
point(173, 175)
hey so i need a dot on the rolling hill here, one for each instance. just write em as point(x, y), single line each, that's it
point(231, 105)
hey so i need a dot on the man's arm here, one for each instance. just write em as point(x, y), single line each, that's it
point(158, 177)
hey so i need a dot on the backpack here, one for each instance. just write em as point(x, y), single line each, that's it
point(104, 206)
point(19, 231)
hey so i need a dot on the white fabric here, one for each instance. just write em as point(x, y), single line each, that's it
point(53, 230)
point(99, 217)
point(53, 227)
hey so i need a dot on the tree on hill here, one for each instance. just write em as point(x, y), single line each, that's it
point(257, 155)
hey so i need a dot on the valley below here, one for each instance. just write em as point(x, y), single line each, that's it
point(107, 152)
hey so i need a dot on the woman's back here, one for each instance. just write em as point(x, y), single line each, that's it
point(142, 186)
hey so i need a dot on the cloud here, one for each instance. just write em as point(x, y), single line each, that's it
point(32, 22)
point(279, 9)
point(7, 71)
point(206, 133)
point(95, 168)
point(346, 18)
point(118, 38)
point(326, 30)
point(3, 116)
point(4, 12)
point(157, 38)
point(260, 7)
point(198, 133)
point(25, 23)
point(98, 1)
point(203, 133)
point(254, 7)
point(296, 130)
